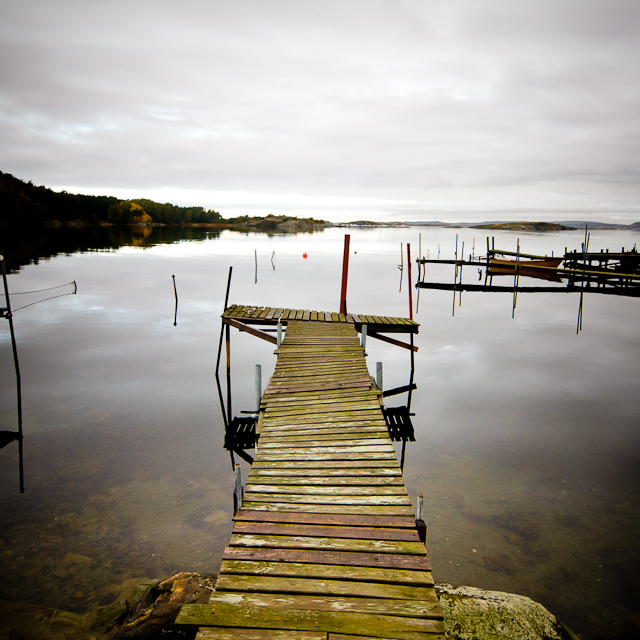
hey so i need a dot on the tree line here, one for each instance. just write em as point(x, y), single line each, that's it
point(22, 204)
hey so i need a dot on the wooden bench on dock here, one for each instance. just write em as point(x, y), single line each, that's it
point(325, 544)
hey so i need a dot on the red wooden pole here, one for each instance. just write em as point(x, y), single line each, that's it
point(345, 271)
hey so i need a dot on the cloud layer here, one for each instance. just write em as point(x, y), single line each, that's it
point(388, 109)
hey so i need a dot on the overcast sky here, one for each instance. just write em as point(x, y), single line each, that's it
point(395, 109)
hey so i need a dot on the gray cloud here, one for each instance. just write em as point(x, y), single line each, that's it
point(406, 109)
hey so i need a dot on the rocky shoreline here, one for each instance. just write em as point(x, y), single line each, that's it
point(145, 609)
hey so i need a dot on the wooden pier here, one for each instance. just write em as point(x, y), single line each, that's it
point(325, 545)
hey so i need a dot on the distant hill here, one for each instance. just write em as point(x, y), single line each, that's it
point(24, 204)
point(525, 226)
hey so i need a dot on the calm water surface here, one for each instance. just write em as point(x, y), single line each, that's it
point(528, 435)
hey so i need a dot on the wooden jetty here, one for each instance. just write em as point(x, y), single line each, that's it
point(325, 545)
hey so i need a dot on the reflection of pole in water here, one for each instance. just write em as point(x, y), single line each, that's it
point(401, 267)
point(256, 260)
point(273, 260)
point(9, 316)
point(175, 293)
point(515, 280)
point(585, 248)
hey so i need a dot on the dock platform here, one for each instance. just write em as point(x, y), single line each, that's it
point(271, 315)
point(325, 544)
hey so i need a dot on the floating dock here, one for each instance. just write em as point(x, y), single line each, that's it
point(325, 545)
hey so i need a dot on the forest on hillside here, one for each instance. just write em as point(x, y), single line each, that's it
point(24, 204)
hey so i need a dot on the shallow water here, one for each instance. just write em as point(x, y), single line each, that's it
point(528, 439)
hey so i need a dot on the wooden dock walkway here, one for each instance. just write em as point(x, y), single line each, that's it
point(325, 545)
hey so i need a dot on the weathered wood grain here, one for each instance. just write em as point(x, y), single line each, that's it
point(318, 586)
point(320, 490)
point(230, 615)
point(344, 500)
point(343, 573)
point(330, 544)
point(373, 605)
point(361, 520)
point(351, 558)
point(324, 481)
point(382, 510)
point(307, 530)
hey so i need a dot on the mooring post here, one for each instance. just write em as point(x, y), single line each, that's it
point(421, 525)
point(363, 336)
point(279, 333)
point(345, 271)
point(258, 386)
point(237, 491)
point(175, 293)
point(379, 375)
point(9, 316)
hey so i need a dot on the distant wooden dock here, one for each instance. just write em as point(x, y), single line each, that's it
point(325, 544)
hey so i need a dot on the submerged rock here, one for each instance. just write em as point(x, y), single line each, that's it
point(475, 614)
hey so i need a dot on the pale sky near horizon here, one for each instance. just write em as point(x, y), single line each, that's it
point(453, 110)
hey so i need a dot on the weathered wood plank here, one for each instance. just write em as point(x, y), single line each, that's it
point(307, 530)
point(322, 444)
point(329, 544)
point(343, 573)
point(325, 457)
point(328, 499)
point(330, 588)
point(333, 491)
point(385, 510)
point(377, 605)
point(323, 434)
point(313, 556)
point(218, 633)
point(332, 481)
point(353, 463)
point(327, 519)
point(229, 615)
point(339, 472)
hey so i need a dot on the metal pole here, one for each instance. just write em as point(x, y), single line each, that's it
point(279, 344)
point(345, 271)
point(363, 337)
point(379, 375)
point(258, 386)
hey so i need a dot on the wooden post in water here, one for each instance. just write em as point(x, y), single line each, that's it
point(410, 301)
point(237, 491)
point(258, 386)
point(9, 316)
point(175, 292)
point(379, 375)
point(345, 271)
point(421, 525)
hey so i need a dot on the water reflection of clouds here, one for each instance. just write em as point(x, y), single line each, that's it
point(504, 408)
